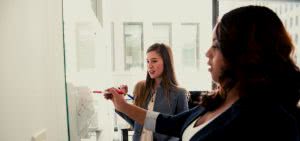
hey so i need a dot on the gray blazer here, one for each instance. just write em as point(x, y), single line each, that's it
point(178, 103)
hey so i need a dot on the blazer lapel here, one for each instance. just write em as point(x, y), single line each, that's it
point(218, 123)
point(198, 111)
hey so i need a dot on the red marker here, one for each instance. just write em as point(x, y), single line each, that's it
point(118, 91)
point(99, 92)
point(108, 95)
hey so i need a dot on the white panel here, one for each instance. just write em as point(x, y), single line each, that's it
point(40, 136)
point(32, 82)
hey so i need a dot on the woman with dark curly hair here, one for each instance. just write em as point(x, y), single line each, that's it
point(258, 85)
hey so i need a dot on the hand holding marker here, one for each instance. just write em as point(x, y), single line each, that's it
point(109, 95)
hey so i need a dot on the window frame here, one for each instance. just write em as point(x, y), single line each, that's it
point(142, 43)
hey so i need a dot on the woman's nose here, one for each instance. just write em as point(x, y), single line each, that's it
point(150, 65)
point(207, 53)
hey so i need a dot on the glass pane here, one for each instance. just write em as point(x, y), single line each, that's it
point(133, 46)
point(189, 46)
point(89, 114)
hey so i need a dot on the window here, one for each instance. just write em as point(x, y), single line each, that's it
point(297, 49)
point(162, 33)
point(133, 43)
point(296, 21)
point(280, 9)
point(190, 46)
point(276, 10)
point(291, 22)
point(296, 38)
point(113, 54)
point(285, 22)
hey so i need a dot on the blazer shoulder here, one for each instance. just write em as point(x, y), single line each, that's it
point(180, 90)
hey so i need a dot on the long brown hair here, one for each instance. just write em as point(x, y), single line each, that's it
point(168, 81)
point(257, 51)
point(138, 91)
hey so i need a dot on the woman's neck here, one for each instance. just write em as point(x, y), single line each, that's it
point(157, 82)
point(232, 96)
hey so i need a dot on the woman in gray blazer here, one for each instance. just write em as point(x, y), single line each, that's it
point(159, 92)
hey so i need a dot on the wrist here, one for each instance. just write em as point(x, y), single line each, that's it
point(122, 106)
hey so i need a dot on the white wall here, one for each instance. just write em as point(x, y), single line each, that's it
point(32, 82)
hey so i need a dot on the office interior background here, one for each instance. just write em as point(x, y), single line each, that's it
point(54, 52)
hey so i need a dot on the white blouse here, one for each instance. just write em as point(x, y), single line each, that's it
point(190, 131)
point(147, 135)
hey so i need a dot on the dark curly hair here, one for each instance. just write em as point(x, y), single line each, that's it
point(258, 53)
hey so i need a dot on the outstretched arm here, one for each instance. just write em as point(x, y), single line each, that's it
point(136, 113)
point(153, 121)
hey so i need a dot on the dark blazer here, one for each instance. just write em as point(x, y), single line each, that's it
point(245, 120)
point(178, 103)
